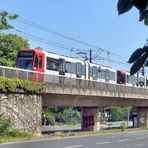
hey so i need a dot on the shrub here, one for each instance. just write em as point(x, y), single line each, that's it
point(123, 126)
point(14, 84)
point(16, 133)
point(5, 124)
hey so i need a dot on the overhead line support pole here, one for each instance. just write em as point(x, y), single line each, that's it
point(90, 58)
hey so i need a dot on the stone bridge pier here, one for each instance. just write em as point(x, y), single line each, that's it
point(89, 119)
point(142, 116)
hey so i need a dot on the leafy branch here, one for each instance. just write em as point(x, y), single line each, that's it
point(142, 5)
point(4, 17)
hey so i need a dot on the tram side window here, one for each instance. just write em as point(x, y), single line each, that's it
point(94, 72)
point(114, 75)
point(128, 77)
point(99, 72)
point(90, 72)
point(107, 74)
point(83, 70)
point(68, 67)
point(73, 68)
point(79, 69)
point(52, 64)
point(103, 74)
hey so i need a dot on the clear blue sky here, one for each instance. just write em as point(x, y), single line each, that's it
point(91, 21)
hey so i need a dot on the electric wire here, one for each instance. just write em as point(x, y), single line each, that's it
point(64, 36)
point(52, 43)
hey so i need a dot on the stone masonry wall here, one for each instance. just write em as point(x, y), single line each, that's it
point(24, 110)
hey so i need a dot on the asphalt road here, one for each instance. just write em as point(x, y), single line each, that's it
point(118, 140)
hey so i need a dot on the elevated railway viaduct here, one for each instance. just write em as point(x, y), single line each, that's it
point(61, 91)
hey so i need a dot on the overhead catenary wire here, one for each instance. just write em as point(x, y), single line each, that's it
point(52, 43)
point(61, 46)
point(109, 60)
point(65, 36)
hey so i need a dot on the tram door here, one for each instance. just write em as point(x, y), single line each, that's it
point(38, 67)
point(61, 71)
point(107, 75)
point(61, 67)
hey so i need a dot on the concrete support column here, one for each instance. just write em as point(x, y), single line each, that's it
point(142, 115)
point(89, 119)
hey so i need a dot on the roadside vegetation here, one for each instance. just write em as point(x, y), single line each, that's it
point(7, 133)
point(89, 133)
point(15, 84)
point(61, 116)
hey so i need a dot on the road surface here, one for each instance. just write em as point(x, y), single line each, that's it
point(117, 140)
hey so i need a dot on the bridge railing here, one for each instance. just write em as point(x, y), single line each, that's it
point(68, 81)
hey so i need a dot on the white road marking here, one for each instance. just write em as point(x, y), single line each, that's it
point(73, 146)
point(102, 142)
point(111, 136)
point(122, 140)
point(140, 138)
point(139, 144)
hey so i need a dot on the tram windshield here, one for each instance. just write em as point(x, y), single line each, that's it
point(25, 60)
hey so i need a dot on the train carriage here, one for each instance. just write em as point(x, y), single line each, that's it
point(101, 73)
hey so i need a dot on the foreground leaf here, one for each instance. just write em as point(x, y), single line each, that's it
point(136, 54)
point(140, 4)
point(124, 6)
point(138, 64)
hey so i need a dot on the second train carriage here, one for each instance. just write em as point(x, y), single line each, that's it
point(101, 73)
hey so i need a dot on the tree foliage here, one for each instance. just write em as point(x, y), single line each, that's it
point(4, 17)
point(119, 113)
point(139, 56)
point(142, 5)
point(62, 115)
point(10, 44)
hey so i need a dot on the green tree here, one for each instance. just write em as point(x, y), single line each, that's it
point(64, 115)
point(48, 116)
point(139, 56)
point(70, 116)
point(119, 113)
point(10, 44)
point(4, 17)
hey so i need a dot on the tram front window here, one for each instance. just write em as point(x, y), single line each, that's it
point(25, 63)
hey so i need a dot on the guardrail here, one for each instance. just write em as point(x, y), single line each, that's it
point(69, 81)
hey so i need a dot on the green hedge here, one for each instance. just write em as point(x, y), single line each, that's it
point(14, 84)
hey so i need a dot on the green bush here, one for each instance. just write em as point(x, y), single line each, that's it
point(5, 125)
point(14, 84)
point(123, 126)
point(49, 117)
point(16, 133)
point(6, 129)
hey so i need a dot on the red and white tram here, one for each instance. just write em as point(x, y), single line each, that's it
point(58, 65)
